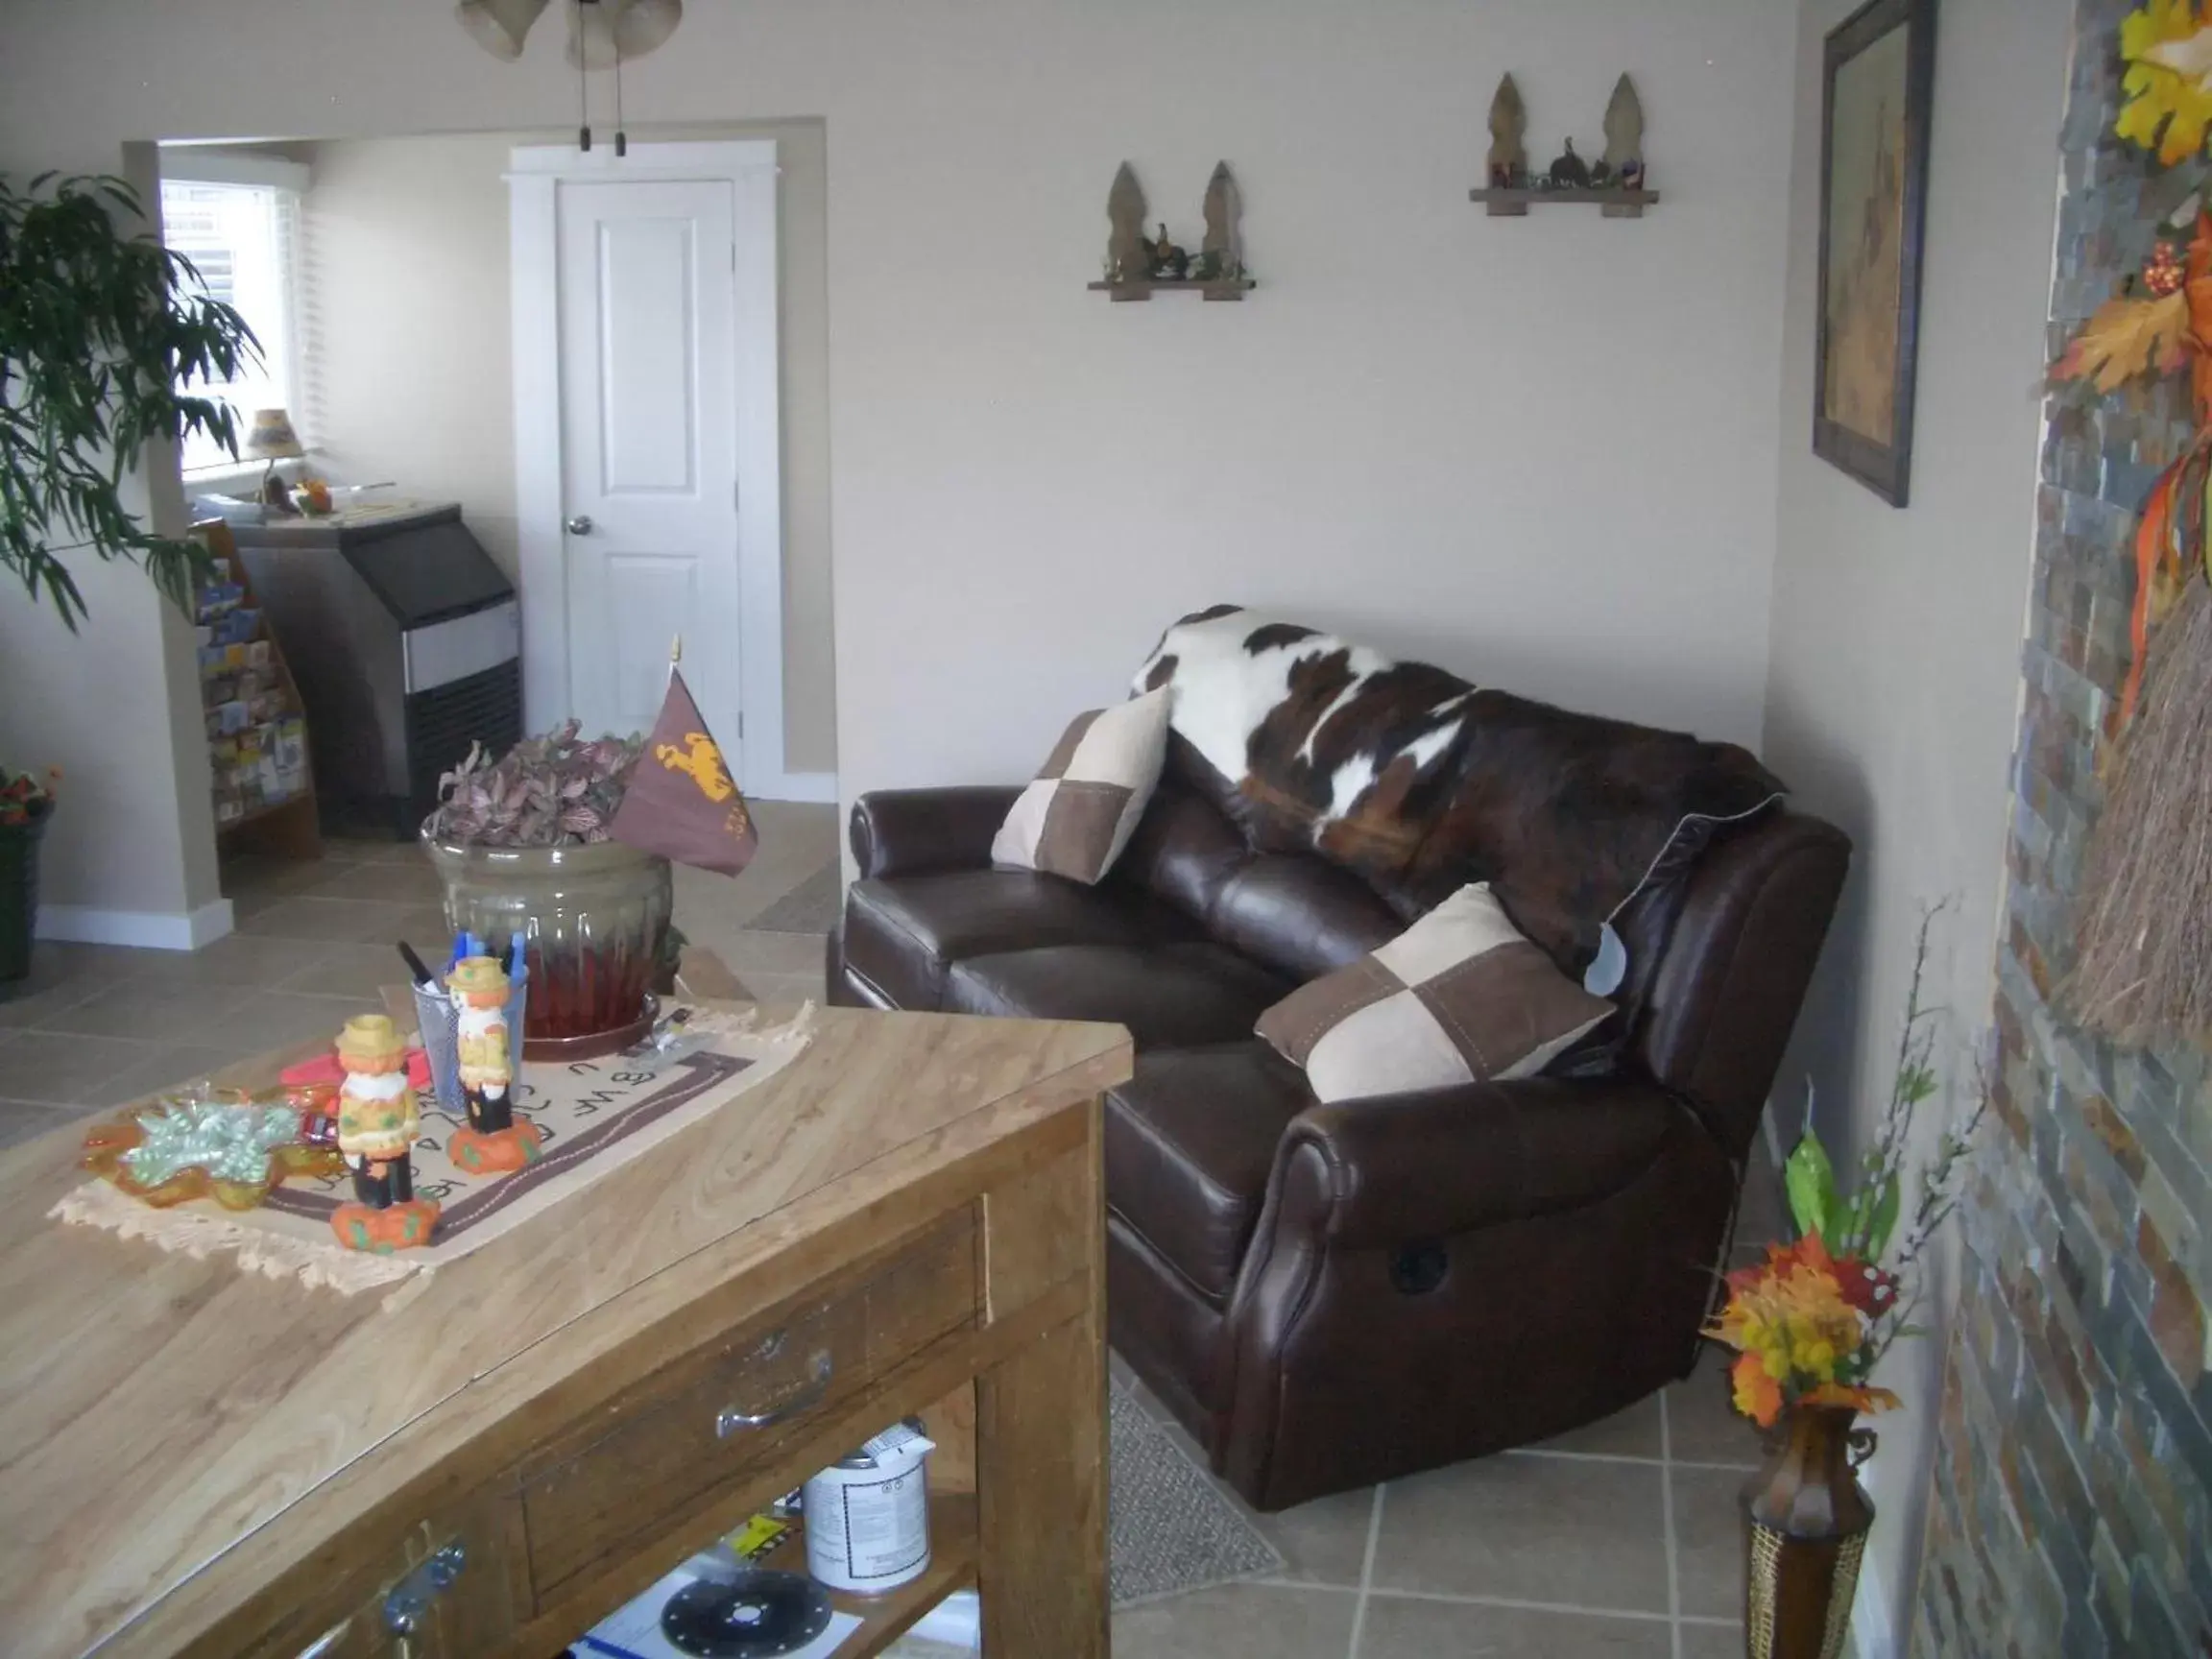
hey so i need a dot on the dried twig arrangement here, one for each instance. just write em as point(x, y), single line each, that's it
point(2144, 969)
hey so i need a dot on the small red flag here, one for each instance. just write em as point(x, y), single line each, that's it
point(682, 802)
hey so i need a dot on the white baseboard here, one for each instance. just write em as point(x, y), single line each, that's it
point(146, 930)
point(811, 786)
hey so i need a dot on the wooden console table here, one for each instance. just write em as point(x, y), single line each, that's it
point(199, 1462)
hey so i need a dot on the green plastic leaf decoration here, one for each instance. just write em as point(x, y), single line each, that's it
point(1810, 1179)
point(1883, 1221)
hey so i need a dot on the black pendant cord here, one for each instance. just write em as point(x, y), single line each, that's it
point(622, 138)
point(582, 81)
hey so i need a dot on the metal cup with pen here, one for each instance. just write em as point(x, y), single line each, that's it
point(471, 1023)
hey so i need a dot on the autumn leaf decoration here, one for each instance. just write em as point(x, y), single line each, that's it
point(2126, 338)
point(2169, 81)
point(2157, 331)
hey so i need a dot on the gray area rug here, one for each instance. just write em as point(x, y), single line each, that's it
point(811, 907)
point(1170, 1530)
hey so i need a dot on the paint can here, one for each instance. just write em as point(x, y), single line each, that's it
point(868, 1513)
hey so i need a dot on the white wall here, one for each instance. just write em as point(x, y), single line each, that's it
point(1895, 647)
point(409, 332)
point(404, 322)
point(1540, 451)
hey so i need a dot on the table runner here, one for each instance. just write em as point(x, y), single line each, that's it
point(595, 1115)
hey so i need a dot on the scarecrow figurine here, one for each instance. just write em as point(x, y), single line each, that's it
point(376, 1127)
point(495, 1140)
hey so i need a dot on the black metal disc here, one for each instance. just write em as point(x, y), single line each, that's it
point(755, 1615)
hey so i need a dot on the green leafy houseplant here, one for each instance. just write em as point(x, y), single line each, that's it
point(99, 330)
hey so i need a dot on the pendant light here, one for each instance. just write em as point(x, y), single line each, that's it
point(498, 26)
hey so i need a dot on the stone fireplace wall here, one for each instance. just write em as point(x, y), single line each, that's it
point(2071, 1507)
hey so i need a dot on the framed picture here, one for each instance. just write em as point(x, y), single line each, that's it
point(1880, 84)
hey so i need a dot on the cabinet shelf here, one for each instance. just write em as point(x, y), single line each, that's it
point(884, 1619)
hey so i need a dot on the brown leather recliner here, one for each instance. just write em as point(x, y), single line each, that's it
point(1333, 1296)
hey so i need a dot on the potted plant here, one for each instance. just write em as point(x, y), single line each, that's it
point(1810, 1324)
point(100, 333)
point(26, 806)
point(521, 844)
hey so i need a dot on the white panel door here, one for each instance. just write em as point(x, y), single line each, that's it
point(649, 449)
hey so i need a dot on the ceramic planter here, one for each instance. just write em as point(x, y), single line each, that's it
point(595, 920)
point(18, 895)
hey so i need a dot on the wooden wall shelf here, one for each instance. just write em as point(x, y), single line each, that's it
point(1515, 204)
point(1144, 287)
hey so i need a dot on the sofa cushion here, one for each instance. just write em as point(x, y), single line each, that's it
point(1076, 817)
point(903, 935)
point(1190, 1141)
point(1459, 996)
point(1301, 916)
point(1171, 995)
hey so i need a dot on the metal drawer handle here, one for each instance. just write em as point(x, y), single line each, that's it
point(409, 1600)
point(730, 1421)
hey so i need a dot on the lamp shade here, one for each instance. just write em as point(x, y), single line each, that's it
point(498, 26)
point(271, 437)
point(646, 25)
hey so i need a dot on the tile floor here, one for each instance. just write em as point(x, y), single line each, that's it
point(1618, 1540)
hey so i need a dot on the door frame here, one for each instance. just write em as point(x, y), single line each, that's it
point(749, 166)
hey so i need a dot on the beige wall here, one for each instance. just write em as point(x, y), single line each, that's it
point(408, 316)
point(1895, 643)
point(404, 322)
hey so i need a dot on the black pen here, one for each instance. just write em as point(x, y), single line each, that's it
point(415, 965)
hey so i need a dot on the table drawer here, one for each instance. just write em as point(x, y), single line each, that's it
point(724, 1410)
point(452, 1587)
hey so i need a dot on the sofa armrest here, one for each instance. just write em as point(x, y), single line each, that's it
point(909, 832)
point(1407, 1167)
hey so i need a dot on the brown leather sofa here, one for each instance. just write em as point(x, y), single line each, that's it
point(1333, 1296)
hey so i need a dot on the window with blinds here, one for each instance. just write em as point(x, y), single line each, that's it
point(244, 241)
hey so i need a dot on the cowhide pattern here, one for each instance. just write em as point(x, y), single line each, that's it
point(1421, 783)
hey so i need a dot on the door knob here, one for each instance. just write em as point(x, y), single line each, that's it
point(580, 525)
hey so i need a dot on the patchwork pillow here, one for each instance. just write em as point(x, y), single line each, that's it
point(1460, 996)
point(1076, 817)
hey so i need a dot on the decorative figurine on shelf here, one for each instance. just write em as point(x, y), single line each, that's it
point(1169, 263)
point(376, 1127)
point(1570, 171)
point(1221, 254)
point(1624, 162)
point(1128, 255)
point(495, 1140)
point(1509, 122)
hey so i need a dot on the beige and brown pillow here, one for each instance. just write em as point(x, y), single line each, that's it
point(1459, 996)
point(1076, 817)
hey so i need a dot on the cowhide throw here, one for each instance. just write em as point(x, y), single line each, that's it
point(1422, 784)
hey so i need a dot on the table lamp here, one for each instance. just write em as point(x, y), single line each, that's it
point(271, 439)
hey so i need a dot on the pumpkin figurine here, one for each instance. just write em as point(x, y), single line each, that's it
point(496, 1141)
point(377, 1121)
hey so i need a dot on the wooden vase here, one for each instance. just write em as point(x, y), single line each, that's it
point(1805, 1524)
